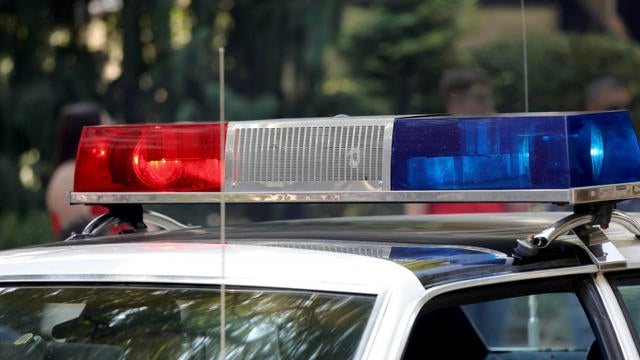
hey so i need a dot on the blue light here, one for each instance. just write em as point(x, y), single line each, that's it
point(596, 150)
point(514, 151)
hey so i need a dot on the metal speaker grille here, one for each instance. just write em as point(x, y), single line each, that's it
point(308, 154)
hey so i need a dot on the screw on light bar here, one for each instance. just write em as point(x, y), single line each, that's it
point(150, 158)
point(576, 157)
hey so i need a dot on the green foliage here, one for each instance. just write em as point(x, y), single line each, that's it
point(559, 67)
point(398, 52)
point(17, 230)
point(278, 55)
point(274, 67)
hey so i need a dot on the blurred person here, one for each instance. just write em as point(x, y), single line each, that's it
point(606, 93)
point(66, 219)
point(465, 91)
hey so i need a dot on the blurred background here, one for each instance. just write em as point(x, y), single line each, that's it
point(157, 61)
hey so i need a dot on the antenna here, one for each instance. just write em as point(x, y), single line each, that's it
point(525, 63)
point(533, 328)
point(222, 215)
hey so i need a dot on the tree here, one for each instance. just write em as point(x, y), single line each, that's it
point(398, 52)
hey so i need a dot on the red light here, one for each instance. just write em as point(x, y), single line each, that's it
point(132, 158)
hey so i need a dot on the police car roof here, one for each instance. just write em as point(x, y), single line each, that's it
point(436, 249)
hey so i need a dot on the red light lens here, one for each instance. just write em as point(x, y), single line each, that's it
point(147, 158)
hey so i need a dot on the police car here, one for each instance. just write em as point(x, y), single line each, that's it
point(536, 285)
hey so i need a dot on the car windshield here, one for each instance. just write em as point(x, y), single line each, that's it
point(144, 323)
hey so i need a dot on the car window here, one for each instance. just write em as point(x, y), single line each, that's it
point(143, 323)
point(631, 298)
point(549, 324)
point(553, 321)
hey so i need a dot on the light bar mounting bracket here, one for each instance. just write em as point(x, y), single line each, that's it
point(586, 223)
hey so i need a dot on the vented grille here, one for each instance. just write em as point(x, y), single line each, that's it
point(308, 154)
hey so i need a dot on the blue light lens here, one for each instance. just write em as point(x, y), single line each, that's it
point(514, 151)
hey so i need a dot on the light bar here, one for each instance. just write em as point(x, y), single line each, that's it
point(576, 157)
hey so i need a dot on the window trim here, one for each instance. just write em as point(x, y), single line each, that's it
point(614, 280)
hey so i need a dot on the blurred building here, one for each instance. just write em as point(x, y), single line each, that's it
point(496, 18)
point(615, 17)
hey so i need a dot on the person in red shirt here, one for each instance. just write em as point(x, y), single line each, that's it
point(465, 91)
point(66, 219)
